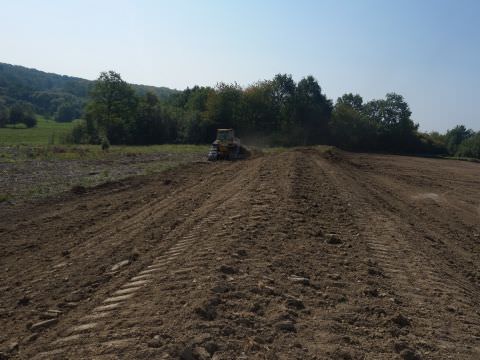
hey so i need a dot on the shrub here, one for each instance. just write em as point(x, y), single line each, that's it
point(79, 134)
point(470, 147)
point(105, 144)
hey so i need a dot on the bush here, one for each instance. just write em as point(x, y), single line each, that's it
point(470, 147)
point(456, 136)
point(79, 134)
point(68, 111)
point(3, 114)
point(30, 120)
point(22, 113)
point(105, 144)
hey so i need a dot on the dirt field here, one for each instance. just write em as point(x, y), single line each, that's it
point(33, 172)
point(293, 255)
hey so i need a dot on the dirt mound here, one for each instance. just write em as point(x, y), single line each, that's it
point(302, 254)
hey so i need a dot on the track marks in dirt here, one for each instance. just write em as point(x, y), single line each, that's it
point(90, 257)
point(295, 255)
point(431, 294)
point(191, 232)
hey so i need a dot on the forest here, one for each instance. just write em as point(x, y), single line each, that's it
point(60, 97)
point(275, 112)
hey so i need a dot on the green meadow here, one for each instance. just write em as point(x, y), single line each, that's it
point(47, 132)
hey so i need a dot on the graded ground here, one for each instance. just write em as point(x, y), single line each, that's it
point(300, 254)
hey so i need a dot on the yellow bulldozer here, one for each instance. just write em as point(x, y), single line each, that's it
point(227, 147)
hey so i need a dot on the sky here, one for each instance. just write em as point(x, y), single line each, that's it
point(426, 50)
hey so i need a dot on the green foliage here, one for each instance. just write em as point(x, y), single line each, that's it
point(380, 125)
point(22, 113)
point(455, 136)
point(46, 132)
point(277, 112)
point(282, 95)
point(261, 115)
point(43, 91)
point(47, 92)
point(354, 101)
point(78, 134)
point(153, 122)
point(68, 111)
point(4, 114)
point(312, 112)
point(430, 144)
point(111, 109)
point(470, 147)
point(223, 108)
point(351, 128)
point(105, 144)
point(396, 130)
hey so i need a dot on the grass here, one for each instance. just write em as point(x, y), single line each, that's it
point(46, 132)
point(45, 142)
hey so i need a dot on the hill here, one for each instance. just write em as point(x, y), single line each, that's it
point(47, 92)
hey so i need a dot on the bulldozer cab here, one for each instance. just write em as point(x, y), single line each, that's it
point(225, 135)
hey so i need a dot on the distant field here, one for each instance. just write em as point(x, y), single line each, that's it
point(46, 132)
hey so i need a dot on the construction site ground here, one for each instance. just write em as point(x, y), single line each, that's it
point(300, 254)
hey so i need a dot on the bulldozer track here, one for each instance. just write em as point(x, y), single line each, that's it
point(292, 255)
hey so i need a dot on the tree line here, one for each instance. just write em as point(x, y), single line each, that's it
point(19, 113)
point(279, 112)
point(276, 112)
point(60, 97)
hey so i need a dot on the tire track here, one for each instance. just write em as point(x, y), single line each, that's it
point(100, 316)
point(419, 281)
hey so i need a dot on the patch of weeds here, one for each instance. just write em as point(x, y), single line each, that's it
point(6, 157)
point(39, 191)
point(105, 174)
point(159, 167)
point(4, 197)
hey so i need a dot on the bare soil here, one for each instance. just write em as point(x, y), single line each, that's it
point(32, 179)
point(293, 255)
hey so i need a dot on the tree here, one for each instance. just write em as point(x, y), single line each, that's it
point(16, 114)
point(148, 127)
point(456, 136)
point(354, 101)
point(312, 111)
point(197, 99)
point(350, 129)
point(261, 116)
point(224, 108)
point(30, 120)
point(68, 111)
point(3, 114)
point(283, 90)
point(22, 113)
point(470, 147)
point(396, 112)
point(392, 115)
point(79, 133)
point(111, 110)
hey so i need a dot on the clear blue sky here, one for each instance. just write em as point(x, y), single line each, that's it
point(426, 50)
